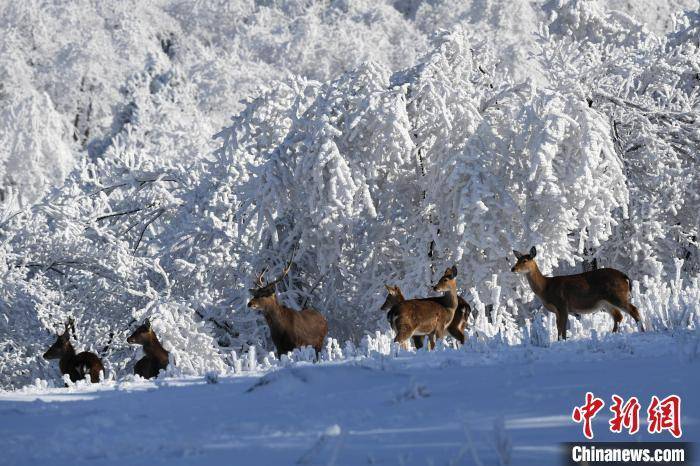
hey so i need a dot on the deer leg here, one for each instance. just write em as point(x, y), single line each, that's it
point(634, 312)
point(457, 331)
point(562, 320)
point(418, 341)
point(404, 332)
point(630, 309)
point(440, 329)
point(617, 318)
point(557, 315)
point(431, 341)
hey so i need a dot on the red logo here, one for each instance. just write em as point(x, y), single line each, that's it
point(587, 412)
point(626, 415)
point(662, 415)
point(665, 415)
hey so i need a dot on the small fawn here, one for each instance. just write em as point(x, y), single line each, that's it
point(77, 366)
point(427, 316)
point(456, 327)
point(156, 357)
point(289, 329)
point(582, 293)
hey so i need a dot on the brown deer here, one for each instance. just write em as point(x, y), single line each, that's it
point(456, 327)
point(156, 357)
point(77, 366)
point(582, 293)
point(427, 316)
point(289, 329)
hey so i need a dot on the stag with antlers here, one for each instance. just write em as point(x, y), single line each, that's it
point(289, 329)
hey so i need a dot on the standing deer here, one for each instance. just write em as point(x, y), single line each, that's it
point(289, 329)
point(582, 293)
point(456, 327)
point(427, 316)
point(77, 366)
point(156, 357)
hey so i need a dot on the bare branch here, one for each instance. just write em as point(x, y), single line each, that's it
point(143, 231)
point(141, 184)
point(117, 214)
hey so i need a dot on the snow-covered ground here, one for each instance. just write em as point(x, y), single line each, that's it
point(446, 407)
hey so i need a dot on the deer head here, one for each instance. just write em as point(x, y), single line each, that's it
point(142, 335)
point(264, 293)
point(62, 345)
point(393, 297)
point(447, 281)
point(526, 263)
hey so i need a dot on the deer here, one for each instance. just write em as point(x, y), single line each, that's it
point(456, 327)
point(427, 316)
point(155, 358)
point(581, 293)
point(77, 366)
point(289, 329)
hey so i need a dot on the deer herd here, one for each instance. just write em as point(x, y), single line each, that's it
point(410, 319)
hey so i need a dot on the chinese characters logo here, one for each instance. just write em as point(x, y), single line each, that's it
point(662, 415)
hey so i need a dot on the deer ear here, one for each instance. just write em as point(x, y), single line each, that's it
point(147, 322)
point(389, 288)
point(518, 254)
point(454, 271)
point(533, 252)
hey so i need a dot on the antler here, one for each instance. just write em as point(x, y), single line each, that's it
point(286, 269)
point(259, 279)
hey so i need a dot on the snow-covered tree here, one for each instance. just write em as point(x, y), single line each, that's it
point(648, 90)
